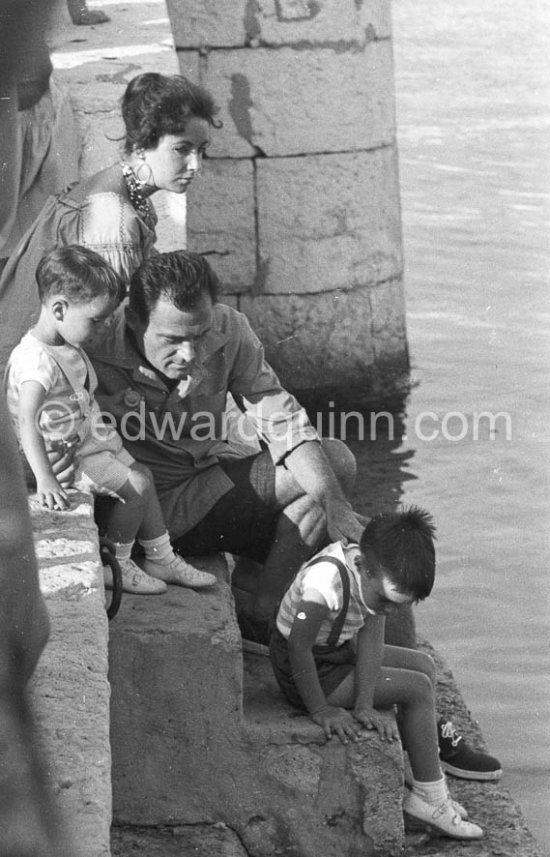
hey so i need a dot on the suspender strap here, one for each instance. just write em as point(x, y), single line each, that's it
point(336, 629)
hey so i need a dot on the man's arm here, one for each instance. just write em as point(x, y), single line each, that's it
point(284, 425)
point(311, 468)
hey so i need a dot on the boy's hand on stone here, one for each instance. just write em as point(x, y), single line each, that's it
point(51, 495)
point(372, 719)
point(337, 721)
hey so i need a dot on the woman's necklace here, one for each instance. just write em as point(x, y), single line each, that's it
point(137, 197)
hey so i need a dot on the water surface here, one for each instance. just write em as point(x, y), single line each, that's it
point(473, 108)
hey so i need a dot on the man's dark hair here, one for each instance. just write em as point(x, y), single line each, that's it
point(78, 274)
point(402, 543)
point(180, 277)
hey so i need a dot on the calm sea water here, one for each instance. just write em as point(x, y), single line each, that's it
point(473, 108)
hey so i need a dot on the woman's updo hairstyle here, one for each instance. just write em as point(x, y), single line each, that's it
point(156, 104)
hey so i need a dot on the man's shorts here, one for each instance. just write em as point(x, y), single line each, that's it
point(244, 520)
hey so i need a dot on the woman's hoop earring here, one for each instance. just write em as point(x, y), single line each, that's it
point(138, 172)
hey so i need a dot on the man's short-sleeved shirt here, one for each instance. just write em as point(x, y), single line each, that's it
point(182, 438)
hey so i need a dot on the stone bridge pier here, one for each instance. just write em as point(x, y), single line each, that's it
point(298, 208)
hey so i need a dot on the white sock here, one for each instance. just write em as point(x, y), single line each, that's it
point(158, 550)
point(433, 792)
point(123, 550)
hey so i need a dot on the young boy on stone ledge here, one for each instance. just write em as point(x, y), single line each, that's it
point(342, 595)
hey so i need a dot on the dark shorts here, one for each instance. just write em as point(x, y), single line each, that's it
point(333, 665)
point(244, 520)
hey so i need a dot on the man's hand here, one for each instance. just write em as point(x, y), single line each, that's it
point(343, 524)
point(337, 721)
point(372, 719)
point(61, 459)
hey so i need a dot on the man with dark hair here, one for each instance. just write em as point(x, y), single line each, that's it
point(267, 487)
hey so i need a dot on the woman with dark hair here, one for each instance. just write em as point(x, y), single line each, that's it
point(167, 121)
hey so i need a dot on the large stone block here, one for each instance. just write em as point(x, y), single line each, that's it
point(208, 23)
point(328, 222)
point(303, 333)
point(176, 681)
point(355, 791)
point(176, 671)
point(221, 221)
point(70, 691)
point(288, 102)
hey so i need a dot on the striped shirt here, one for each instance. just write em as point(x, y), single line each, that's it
point(325, 579)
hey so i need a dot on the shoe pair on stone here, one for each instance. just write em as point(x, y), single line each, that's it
point(152, 577)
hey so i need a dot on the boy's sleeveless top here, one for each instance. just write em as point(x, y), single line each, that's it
point(326, 578)
point(70, 407)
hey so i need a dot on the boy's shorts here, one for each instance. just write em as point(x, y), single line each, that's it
point(102, 465)
point(333, 665)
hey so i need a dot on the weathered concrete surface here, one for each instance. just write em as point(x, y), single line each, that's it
point(226, 232)
point(324, 223)
point(219, 745)
point(70, 691)
point(328, 222)
point(265, 22)
point(298, 102)
point(340, 327)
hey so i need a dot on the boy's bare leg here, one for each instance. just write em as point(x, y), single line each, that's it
point(408, 683)
point(138, 512)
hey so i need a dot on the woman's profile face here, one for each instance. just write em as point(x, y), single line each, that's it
point(177, 158)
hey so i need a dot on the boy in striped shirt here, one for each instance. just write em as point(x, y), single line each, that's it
point(329, 656)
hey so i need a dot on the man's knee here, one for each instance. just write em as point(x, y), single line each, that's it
point(304, 516)
point(342, 461)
